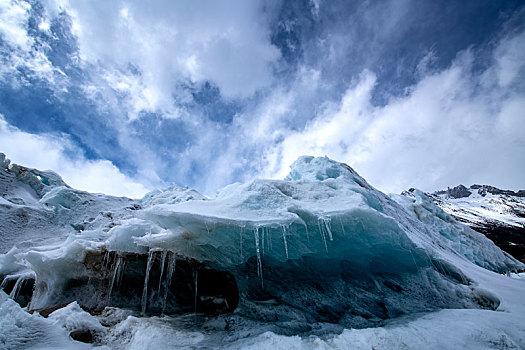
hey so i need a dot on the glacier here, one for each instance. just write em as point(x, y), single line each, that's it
point(320, 258)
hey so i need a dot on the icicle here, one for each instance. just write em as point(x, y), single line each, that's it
point(195, 280)
point(109, 263)
point(285, 242)
point(241, 233)
point(106, 260)
point(268, 239)
point(146, 280)
point(121, 272)
point(115, 278)
point(257, 251)
point(17, 287)
point(259, 262)
point(321, 232)
point(169, 274)
point(326, 226)
point(307, 234)
point(342, 226)
point(262, 239)
point(171, 268)
point(162, 263)
point(4, 283)
point(329, 228)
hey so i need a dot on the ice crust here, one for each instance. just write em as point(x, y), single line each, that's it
point(322, 236)
point(458, 237)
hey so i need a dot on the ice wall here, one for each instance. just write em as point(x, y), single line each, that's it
point(321, 245)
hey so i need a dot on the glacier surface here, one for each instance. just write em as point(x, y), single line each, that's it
point(294, 261)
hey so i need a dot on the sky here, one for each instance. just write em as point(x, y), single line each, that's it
point(122, 97)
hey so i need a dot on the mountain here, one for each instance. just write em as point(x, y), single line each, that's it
point(320, 257)
point(499, 214)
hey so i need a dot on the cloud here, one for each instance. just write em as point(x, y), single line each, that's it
point(509, 59)
point(22, 54)
point(207, 93)
point(57, 153)
point(455, 125)
point(166, 43)
point(144, 61)
point(14, 16)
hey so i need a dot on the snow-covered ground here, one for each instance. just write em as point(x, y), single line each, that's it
point(498, 214)
point(318, 260)
point(481, 206)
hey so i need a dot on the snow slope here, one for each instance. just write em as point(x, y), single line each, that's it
point(499, 214)
point(319, 259)
point(479, 205)
point(38, 207)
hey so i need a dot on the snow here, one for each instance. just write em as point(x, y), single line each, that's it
point(5, 202)
point(455, 235)
point(172, 195)
point(43, 209)
point(298, 240)
point(73, 318)
point(21, 330)
point(154, 333)
point(478, 209)
point(123, 238)
point(9, 263)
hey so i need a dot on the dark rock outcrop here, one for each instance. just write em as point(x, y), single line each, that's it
point(459, 191)
point(83, 335)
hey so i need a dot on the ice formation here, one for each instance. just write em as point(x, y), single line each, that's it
point(321, 246)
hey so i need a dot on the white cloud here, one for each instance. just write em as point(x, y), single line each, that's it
point(49, 152)
point(22, 54)
point(13, 18)
point(244, 143)
point(226, 42)
point(509, 59)
point(454, 126)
